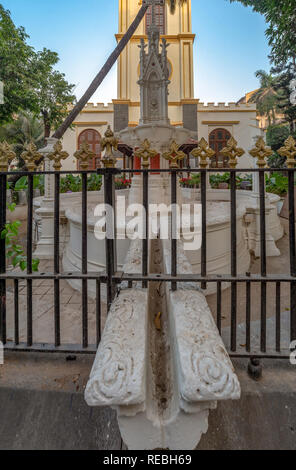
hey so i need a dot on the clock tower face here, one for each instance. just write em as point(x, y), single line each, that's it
point(177, 30)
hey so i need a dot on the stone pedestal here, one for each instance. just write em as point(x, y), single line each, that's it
point(45, 245)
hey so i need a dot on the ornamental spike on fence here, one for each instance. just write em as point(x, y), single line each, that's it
point(261, 152)
point(203, 152)
point(233, 152)
point(30, 156)
point(109, 143)
point(84, 156)
point(174, 155)
point(58, 155)
point(289, 151)
point(6, 155)
point(145, 153)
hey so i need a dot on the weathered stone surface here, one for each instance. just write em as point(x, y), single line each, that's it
point(118, 374)
point(121, 116)
point(190, 117)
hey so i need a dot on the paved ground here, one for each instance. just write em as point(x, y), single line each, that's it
point(43, 311)
point(275, 265)
point(42, 407)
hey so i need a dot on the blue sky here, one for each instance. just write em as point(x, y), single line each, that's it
point(230, 43)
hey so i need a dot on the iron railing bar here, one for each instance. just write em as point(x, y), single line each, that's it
point(219, 306)
point(3, 183)
point(84, 251)
point(119, 277)
point(98, 312)
point(248, 316)
point(292, 238)
point(92, 349)
point(203, 189)
point(104, 171)
point(278, 317)
point(233, 261)
point(57, 304)
point(29, 261)
point(263, 258)
point(146, 225)
point(16, 311)
point(110, 235)
point(174, 228)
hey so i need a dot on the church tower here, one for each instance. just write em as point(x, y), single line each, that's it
point(177, 31)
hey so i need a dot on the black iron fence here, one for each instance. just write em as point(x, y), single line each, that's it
point(112, 279)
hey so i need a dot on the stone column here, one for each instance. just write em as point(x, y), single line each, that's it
point(45, 246)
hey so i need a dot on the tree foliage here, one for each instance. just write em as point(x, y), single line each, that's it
point(15, 61)
point(31, 81)
point(280, 16)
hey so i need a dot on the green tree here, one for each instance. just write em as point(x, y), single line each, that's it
point(280, 16)
point(52, 94)
point(266, 97)
point(15, 59)
point(282, 87)
point(24, 129)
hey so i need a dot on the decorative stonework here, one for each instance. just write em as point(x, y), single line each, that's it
point(118, 374)
point(154, 78)
point(205, 370)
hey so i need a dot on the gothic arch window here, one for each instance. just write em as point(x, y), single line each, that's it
point(93, 138)
point(218, 140)
point(159, 17)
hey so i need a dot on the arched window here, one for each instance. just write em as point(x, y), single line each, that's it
point(218, 140)
point(93, 138)
point(159, 17)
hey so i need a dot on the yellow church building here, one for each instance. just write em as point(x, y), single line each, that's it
point(215, 122)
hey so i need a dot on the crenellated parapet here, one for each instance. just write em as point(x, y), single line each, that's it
point(232, 106)
point(98, 107)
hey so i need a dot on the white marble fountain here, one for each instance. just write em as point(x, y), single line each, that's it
point(161, 362)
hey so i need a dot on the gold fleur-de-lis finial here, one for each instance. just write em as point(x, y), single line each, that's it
point(31, 156)
point(108, 143)
point(174, 155)
point(84, 156)
point(6, 155)
point(289, 151)
point(232, 151)
point(145, 153)
point(58, 155)
point(203, 152)
point(261, 152)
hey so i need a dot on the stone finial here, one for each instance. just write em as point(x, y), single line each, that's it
point(84, 155)
point(108, 143)
point(174, 155)
point(232, 151)
point(203, 152)
point(6, 155)
point(31, 156)
point(145, 153)
point(261, 152)
point(58, 155)
point(289, 151)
